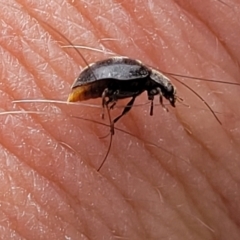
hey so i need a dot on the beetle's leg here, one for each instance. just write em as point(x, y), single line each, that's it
point(161, 99)
point(113, 104)
point(151, 108)
point(151, 97)
point(126, 109)
point(112, 99)
point(104, 102)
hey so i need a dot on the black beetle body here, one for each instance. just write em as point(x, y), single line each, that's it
point(118, 78)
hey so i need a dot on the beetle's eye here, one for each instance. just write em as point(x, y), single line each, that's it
point(172, 101)
point(170, 88)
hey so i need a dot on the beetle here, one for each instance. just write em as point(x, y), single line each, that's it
point(118, 78)
point(121, 77)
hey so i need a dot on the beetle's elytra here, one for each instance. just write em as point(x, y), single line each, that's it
point(118, 78)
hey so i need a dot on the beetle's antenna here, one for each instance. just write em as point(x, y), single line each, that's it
point(199, 96)
point(199, 78)
point(180, 100)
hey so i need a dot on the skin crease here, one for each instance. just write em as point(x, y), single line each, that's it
point(50, 188)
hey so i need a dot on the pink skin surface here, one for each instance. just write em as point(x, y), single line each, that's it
point(49, 186)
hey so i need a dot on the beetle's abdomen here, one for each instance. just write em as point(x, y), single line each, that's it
point(87, 91)
point(78, 94)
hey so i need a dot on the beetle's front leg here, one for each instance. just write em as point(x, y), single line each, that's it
point(151, 98)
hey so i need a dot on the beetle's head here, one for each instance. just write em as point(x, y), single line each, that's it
point(168, 90)
point(170, 93)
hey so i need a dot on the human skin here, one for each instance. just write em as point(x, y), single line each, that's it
point(49, 186)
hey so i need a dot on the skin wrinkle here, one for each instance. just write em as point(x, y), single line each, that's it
point(126, 195)
point(193, 203)
point(213, 33)
point(120, 192)
point(101, 217)
point(172, 206)
point(12, 234)
point(177, 213)
point(31, 167)
point(224, 211)
point(15, 230)
point(131, 204)
point(109, 162)
point(58, 36)
point(153, 156)
point(101, 213)
point(113, 43)
point(216, 190)
point(181, 214)
point(185, 190)
point(210, 25)
point(66, 34)
point(116, 11)
point(49, 180)
point(24, 65)
point(99, 28)
point(50, 34)
point(33, 72)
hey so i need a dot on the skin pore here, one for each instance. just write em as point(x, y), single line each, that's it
point(50, 188)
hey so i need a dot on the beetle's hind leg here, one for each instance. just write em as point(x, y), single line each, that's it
point(113, 100)
point(126, 109)
point(106, 100)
